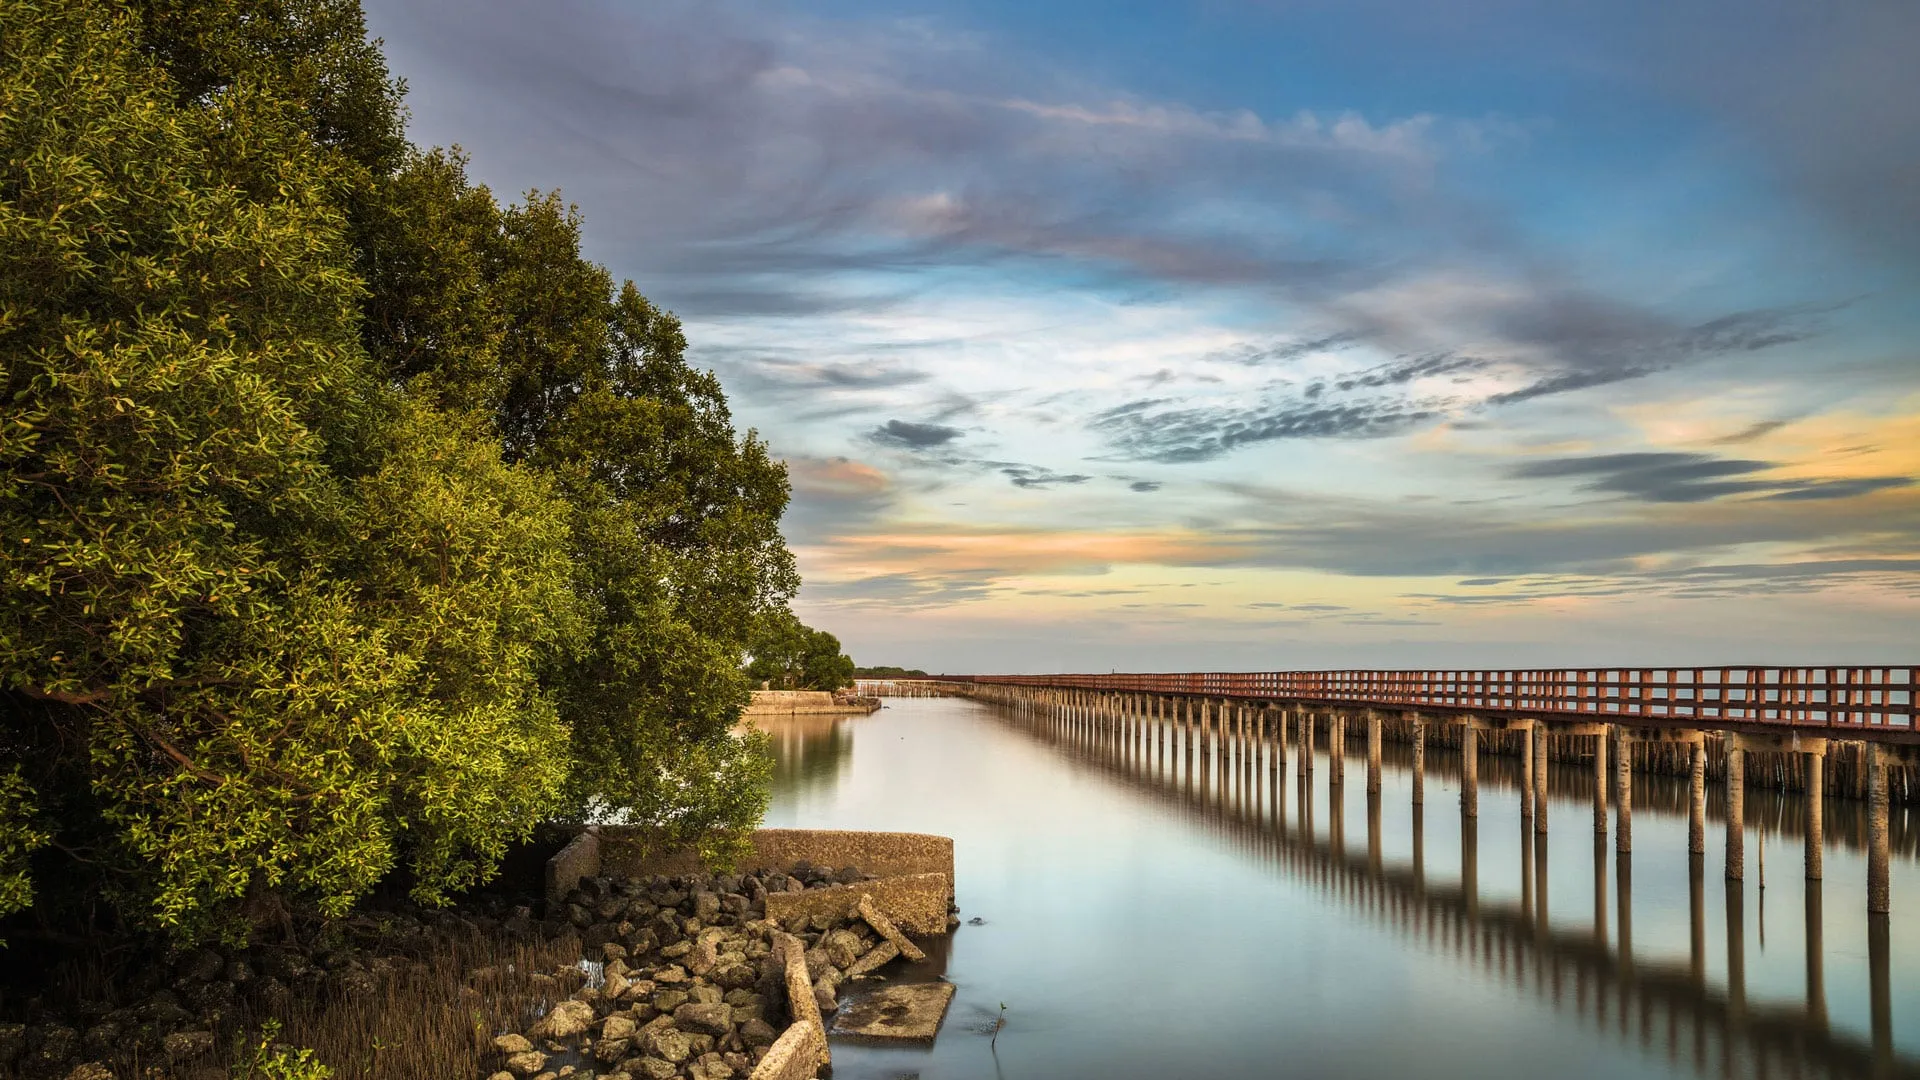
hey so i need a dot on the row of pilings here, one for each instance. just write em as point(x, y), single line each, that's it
point(1614, 751)
point(1227, 764)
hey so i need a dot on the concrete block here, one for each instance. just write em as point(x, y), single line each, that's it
point(580, 858)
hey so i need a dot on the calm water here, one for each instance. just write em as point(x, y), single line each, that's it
point(1146, 919)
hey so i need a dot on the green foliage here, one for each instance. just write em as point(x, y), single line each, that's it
point(353, 522)
point(267, 1060)
point(788, 655)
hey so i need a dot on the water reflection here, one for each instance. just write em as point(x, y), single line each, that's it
point(1643, 1000)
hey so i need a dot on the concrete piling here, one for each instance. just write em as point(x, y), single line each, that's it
point(1600, 781)
point(1470, 770)
point(1816, 800)
point(1697, 798)
point(1419, 759)
point(1623, 783)
point(1879, 889)
point(1539, 779)
point(1736, 813)
point(1373, 752)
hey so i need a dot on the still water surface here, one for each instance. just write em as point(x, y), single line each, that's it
point(1146, 916)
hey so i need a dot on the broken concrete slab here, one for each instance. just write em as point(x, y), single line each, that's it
point(800, 1000)
point(795, 1055)
point(917, 903)
point(885, 928)
point(875, 956)
point(912, 1011)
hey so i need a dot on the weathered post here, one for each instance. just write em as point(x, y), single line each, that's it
point(1419, 758)
point(1600, 780)
point(1697, 797)
point(1816, 799)
point(1306, 741)
point(1736, 811)
point(1539, 777)
point(1879, 890)
point(1526, 776)
point(1337, 747)
point(1373, 752)
point(1623, 773)
point(1469, 770)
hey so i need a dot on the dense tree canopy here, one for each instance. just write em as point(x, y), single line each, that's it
point(353, 521)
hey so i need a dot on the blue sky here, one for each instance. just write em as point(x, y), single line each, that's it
point(1262, 334)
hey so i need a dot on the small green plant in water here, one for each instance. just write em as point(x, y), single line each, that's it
point(266, 1062)
point(1000, 1022)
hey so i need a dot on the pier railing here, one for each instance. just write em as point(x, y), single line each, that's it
point(1853, 699)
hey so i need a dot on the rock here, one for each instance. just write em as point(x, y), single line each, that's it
point(704, 957)
point(13, 1042)
point(842, 948)
point(200, 965)
point(711, 1067)
point(568, 1018)
point(667, 1043)
point(609, 1051)
point(885, 928)
point(714, 1019)
point(677, 950)
point(757, 1033)
point(187, 1045)
point(658, 1068)
point(511, 1043)
point(618, 1027)
point(669, 1000)
point(527, 1063)
point(875, 957)
point(616, 986)
point(92, 1070)
point(706, 995)
point(670, 975)
point(706, 906)
point(501, 1075)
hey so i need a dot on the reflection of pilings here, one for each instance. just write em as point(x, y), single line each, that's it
point(1816, 956)
point(1633, 997)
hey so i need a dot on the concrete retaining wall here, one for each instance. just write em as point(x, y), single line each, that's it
point(633, 852)
point(800, 703)
point(629, 851)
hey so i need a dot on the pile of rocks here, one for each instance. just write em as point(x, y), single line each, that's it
point(692, 976)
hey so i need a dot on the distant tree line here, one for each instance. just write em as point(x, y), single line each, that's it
point(787, 655)
point(885, 672)
point(354, 523)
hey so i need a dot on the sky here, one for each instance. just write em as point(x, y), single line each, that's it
point(1268, 334)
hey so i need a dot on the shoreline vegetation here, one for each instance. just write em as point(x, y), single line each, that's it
point(357, 530)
